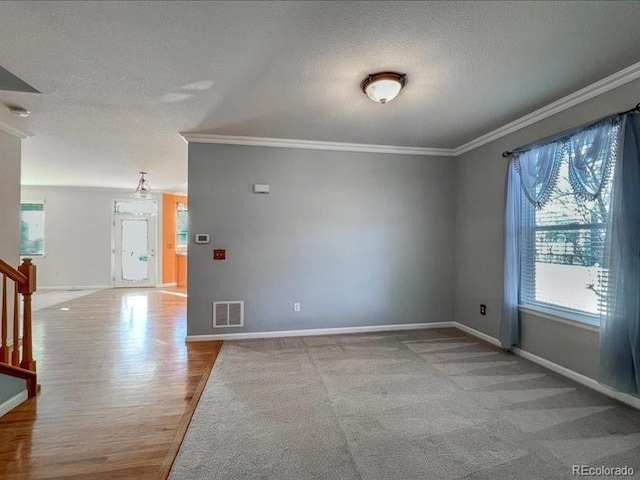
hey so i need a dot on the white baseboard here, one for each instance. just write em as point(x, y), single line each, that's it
point(317, 331)
point(566, 372)
point(578, 377)
point(554, 367)
point(170, 284)
point(77, 287)
point(13, 402)
point(177, 294)
point(476, 333)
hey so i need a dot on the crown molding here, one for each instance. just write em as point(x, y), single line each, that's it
point(314, 145)
point(598, 88)
point(16, 132)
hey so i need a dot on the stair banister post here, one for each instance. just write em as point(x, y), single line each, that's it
point(28, 269)
point(4, 348)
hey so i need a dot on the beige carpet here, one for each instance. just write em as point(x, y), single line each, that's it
point(427, 404)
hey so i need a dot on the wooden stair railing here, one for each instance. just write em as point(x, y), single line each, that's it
point(28, 375)
point(14, 360)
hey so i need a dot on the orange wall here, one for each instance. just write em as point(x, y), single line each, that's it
point(181, 271)
point(169, 258)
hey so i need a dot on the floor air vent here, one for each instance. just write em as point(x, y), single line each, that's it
point(228, 314)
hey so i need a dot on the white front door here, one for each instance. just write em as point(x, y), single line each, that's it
point(134, 240)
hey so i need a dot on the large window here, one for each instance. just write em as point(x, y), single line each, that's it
point(32, 228)
point(563, 247)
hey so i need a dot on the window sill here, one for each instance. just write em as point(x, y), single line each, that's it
point(568, 318)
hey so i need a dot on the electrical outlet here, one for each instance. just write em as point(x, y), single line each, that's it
point(483, 309)
point(296, 307)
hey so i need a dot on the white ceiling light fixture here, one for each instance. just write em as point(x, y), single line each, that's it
point(384, 86)
point(18, 111)
point(143, 190)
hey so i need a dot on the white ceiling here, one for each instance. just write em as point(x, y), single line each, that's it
point(119, 80)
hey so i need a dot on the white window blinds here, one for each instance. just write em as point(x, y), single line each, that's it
point(32, 228)
point(563, 244)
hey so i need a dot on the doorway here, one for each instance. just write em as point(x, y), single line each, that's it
point(134, 244)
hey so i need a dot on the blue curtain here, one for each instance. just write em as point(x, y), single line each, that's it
point(509, 323)
point(533, 172)
point(591, 157)
point(591, 152)
point(538, 169)
point(620, 317)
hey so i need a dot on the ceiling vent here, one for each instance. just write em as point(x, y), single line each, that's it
point(228, 314)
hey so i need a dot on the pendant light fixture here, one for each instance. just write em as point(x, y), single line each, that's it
point(384, 86)
point(143, 190)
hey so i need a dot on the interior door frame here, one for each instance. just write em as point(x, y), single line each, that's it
point(154, 231)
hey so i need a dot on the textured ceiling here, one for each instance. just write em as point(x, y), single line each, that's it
point(120, 80)
point(8, 81)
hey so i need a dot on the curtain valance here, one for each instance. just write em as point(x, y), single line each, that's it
point(590, 156)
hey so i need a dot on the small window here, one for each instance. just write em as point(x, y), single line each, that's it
point(32, 228)
point(182, 228)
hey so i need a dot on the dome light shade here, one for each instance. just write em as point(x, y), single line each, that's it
point(383, 87)
point(19, 111)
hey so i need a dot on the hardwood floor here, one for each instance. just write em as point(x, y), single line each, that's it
point(117, 388)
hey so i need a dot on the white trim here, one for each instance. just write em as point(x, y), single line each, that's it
point(314, 145)
point(317, 331)
point(170, 284)
point(13, 402)
point(177, 294)
point(16, 132)
point(76, 287)
point(154, 217)
point(565, 372)
point(478, 334)
point(598, 88)
point(557, 318)
point(112, 208)
point(578, 377)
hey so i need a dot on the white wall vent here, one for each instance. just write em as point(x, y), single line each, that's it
point(228, 314)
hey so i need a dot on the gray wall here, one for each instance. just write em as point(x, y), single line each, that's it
point(10, 198)
point(10, 387)
point(10, 157)
point(77, 235)
point(480, 187)
point(358, 239)
point(10, 163)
